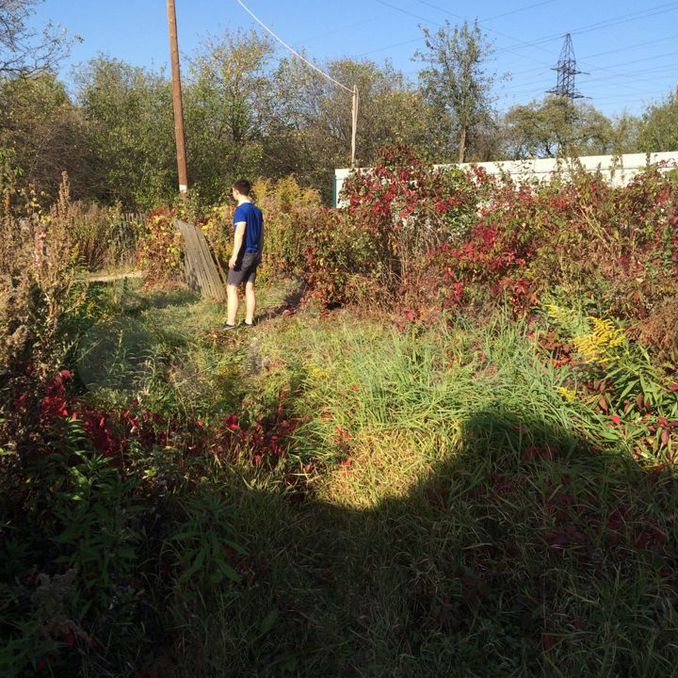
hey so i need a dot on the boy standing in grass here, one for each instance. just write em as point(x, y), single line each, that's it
point(248, 243)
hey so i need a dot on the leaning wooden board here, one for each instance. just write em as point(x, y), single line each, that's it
point(200, 268)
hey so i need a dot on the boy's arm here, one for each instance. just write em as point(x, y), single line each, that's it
point(237, 242)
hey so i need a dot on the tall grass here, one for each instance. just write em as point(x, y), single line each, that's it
point(470, 526)
point(459, 516)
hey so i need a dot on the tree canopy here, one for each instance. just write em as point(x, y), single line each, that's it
point(250, 111)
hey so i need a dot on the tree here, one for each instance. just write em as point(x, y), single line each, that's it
point(456, 85)
point(625, 129)
point(45, 133)
point(130, 130)
point(24, 51)
point(556, 126)
point(658, 129)
point(312, 132)
point(229, 106)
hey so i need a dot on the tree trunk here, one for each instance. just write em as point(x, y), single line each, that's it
point(462, 144)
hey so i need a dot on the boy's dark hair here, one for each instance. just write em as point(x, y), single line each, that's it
point(243, 187)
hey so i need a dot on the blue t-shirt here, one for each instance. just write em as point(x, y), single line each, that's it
point(254, 231)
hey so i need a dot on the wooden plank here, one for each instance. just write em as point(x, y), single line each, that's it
point(200, 269)
point(112, 277)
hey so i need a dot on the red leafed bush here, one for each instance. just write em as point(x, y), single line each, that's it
point(404, 208)
point(612, 246)
point(111, 433)
point(422, 240)
point(337, 257)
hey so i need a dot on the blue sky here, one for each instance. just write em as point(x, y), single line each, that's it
point(628, 47)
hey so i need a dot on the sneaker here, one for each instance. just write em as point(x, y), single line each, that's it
point(246, 324)
point(226, 326)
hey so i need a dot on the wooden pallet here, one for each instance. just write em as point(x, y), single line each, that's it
point(201, 269)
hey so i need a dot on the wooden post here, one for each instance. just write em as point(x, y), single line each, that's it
point(354, 125)
point(176, 99)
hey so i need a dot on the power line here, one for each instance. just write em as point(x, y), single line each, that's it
point(628, 47)
point(611, 21)
point(518, 42)
point(615, 74)
point(352, 91)
point(638, 61)
point(515, 11)
point(291, 49)
point(534, 92)
point(339, 29)
point(456, 16)
point(614, 21)
point(404, 11)
point(625, 18)
point(534, 89)
point(662, 68)
point(433, 23)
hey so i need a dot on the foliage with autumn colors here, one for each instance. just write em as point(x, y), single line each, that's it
point(488, 438)
point(160, 249)
point(432, 241)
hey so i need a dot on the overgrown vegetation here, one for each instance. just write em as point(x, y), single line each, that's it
point(448, 448)
point(467, 468)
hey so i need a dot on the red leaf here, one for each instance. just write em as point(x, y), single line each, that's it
point(548, 641)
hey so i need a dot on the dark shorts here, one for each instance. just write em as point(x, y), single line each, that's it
point(245, 270)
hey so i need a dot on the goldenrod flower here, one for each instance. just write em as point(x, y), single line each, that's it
point(601, 346)
point(560, 315)
point(568, 394)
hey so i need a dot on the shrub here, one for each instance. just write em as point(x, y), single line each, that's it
point(105, 236)
point(404, 209)
point(160, 250)
point(611, 247)
point(218, 229)
point(336, 257)
point(288, 210)
point(39, 293)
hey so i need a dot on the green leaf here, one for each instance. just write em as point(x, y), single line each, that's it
point(197, 563)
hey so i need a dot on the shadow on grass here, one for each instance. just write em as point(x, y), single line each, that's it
point(528, 553)
point(171, 297)
point(289, 304)
point(115, 343)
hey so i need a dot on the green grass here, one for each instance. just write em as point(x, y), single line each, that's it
point(471, 523)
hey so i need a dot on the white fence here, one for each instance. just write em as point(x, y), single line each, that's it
point(617, 169)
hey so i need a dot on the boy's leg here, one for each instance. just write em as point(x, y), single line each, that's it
point(231, 304)
point(250, 302)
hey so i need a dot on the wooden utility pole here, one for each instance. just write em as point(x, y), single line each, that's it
point(354, 126)
point(176, 99)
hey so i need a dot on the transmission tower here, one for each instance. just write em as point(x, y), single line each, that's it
point(567, 69)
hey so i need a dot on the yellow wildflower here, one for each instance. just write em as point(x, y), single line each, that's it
point(568, 394)
point(319, 373)
point(560, 315)
point(601, 345)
